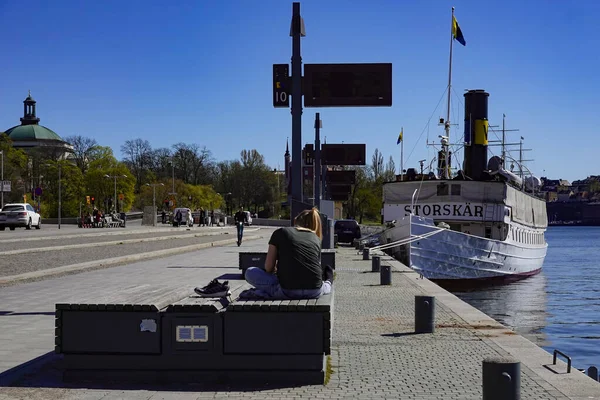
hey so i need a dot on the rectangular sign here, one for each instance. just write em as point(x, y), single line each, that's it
point(5, 186)
point(339, 189)
point(348, 85)
point(449, 211)
point(338, 196)
point(341, 177)
point(343, 154)
point(281, 90)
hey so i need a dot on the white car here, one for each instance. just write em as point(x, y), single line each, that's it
point(19, 214)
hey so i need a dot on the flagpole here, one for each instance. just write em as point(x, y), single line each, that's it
point(402, 155)
point(447, 124)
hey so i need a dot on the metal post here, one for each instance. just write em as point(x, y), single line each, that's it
point(317, 164)
point(365, 253)
point(375, 264)
point(115, 203)
point(296, 34)
point(2, 185)
point(59, 195)
point(424, 314)
point(154, 205)
point(501, 378)
point(173, 171)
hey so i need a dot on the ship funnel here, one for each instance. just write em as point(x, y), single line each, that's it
point(476, 133)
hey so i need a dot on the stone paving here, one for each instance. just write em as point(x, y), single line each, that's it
point(375, 355)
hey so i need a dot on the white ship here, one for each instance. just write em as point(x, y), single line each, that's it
point(482, 222)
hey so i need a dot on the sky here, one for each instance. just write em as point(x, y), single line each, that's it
point(201, 72)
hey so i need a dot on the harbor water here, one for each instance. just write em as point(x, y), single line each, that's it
point(560, 307)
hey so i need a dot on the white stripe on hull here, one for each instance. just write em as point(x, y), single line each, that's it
point(454, 255)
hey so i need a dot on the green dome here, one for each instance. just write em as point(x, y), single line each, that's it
point(32, 132)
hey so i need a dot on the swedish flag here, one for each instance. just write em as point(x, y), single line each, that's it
point(400, 137)
point(457, 33)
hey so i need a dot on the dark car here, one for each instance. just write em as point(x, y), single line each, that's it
point(346, 230)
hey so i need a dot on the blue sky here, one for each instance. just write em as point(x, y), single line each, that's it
point(200, 72)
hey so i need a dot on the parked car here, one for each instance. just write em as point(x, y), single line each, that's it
point(346, 230)
point(186, 217)
point(19, 214)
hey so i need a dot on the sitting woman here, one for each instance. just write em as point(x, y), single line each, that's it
point(293, 266)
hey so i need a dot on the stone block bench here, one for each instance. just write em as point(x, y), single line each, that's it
point(257, 259)
point(161, 334)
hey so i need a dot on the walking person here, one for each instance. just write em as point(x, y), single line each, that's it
point(240, 218)
point(178, 218)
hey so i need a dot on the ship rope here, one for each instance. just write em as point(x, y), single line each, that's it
point(401, 242)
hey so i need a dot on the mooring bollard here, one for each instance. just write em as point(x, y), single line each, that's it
point(501, 378)
point(361, 246)
point(366, 253)
point(385, 275)
point(424, 314)
point(592, 372)
point(375, 264)
point(356, 244)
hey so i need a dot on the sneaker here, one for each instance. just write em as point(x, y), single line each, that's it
point(214, 289)
point(328, 273)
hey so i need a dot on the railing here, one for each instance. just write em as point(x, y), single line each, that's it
point(556, 352)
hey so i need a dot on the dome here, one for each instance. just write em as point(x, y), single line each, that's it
point(31, 132)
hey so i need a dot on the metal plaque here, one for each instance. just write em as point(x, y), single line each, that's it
point(343, 154)
point(348, 85)
point(341, 177)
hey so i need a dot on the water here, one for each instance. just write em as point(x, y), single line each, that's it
point(560, 307)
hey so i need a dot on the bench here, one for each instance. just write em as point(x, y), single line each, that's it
point(109, 222)
point(161, 334)
point(257, 259)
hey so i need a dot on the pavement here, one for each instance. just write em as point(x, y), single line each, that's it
point(375, 352)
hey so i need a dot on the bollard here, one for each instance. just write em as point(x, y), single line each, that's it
point(356, 244)
point(361, 246)
point(592, 372)
point(376, 264)
point(424, 314)
point(501, 378)
point(366, 253)
point(385, 275)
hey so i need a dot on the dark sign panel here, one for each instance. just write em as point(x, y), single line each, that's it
point(339, 189)
point(341, 177)
point(348, 85)
point(343, 154)
point(338, 196)
point(281, 90)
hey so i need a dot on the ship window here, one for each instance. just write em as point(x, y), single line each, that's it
point(455, 190)
point(442, 189)
point(488, 232)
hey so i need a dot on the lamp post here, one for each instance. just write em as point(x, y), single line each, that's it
point(59, 191)
point(154, 185)
point(115, 178)
point(2, 185)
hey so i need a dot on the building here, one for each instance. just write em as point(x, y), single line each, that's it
point(30, 136)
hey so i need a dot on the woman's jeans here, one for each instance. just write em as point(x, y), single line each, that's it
point(269, 284)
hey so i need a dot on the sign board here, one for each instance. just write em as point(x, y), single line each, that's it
point(339, 189)
point(348, 85)
point(341, 177)
point(343, 154)
point(5, 186)
point(281, 89)
point(338, 196)
point(38, 191)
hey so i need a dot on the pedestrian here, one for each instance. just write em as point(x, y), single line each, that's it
point(240, 218)
point(212, 218)
point(202, 217)
point(164, 216)
point(178, 218)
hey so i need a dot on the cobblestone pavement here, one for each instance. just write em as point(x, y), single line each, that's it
point(375, 353)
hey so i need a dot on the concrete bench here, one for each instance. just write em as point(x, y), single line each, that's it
point(257, 259)
point(161, 334)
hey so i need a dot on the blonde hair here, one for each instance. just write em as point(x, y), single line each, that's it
point(310, 219)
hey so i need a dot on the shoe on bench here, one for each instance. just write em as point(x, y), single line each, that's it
point(214, 289)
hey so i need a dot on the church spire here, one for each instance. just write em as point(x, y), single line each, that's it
point(29, 117)
point(287, 148)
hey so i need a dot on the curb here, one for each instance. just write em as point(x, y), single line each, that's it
point(11, 279)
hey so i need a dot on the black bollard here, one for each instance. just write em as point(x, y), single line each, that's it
point(593, 373)
point(375, 264)
point(385, 275)
point(501, 378)
point(361, 246)
point(366, 253)
point(356, 244)
point(424, 314)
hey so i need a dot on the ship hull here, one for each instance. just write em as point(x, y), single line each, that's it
point(447, 255)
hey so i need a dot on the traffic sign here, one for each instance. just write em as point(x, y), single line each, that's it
point(348, 85)
point(5, 186)
point(121, 196)
point(281, 90)
point(38, 191)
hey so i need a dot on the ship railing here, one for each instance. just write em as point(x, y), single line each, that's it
point(404, 241)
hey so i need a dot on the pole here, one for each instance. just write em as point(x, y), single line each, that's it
point(521, 158)
point(173, 174)
point(317, 162)
point(2, 178)
point(154, 204)
point(296, 105)
point(503, 140)
point(402, 155)
point(59, 195)
point(447, 124)
point(115, 203)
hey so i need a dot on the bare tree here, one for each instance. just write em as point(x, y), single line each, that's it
point(138, 156)
point(83, 148)
point(377, 164)
point(389, 174)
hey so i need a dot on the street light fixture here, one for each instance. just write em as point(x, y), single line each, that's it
point(115, 178)
point(154, 185)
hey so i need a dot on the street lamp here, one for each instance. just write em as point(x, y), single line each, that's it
point(154, 185)
point(2, 185)
point(59, 190)
point(115, 178)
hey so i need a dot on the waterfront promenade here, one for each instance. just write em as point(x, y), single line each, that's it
point(375, 354)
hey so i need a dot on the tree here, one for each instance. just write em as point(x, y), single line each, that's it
point(389, 175)
point(377, 165)
point(138, 155)
point(83, 148)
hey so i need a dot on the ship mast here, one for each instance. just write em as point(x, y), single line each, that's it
point(446, 143)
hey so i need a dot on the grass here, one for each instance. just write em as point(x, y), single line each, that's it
point(328, 370)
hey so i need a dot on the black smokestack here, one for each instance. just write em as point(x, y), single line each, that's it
point(476, 133)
